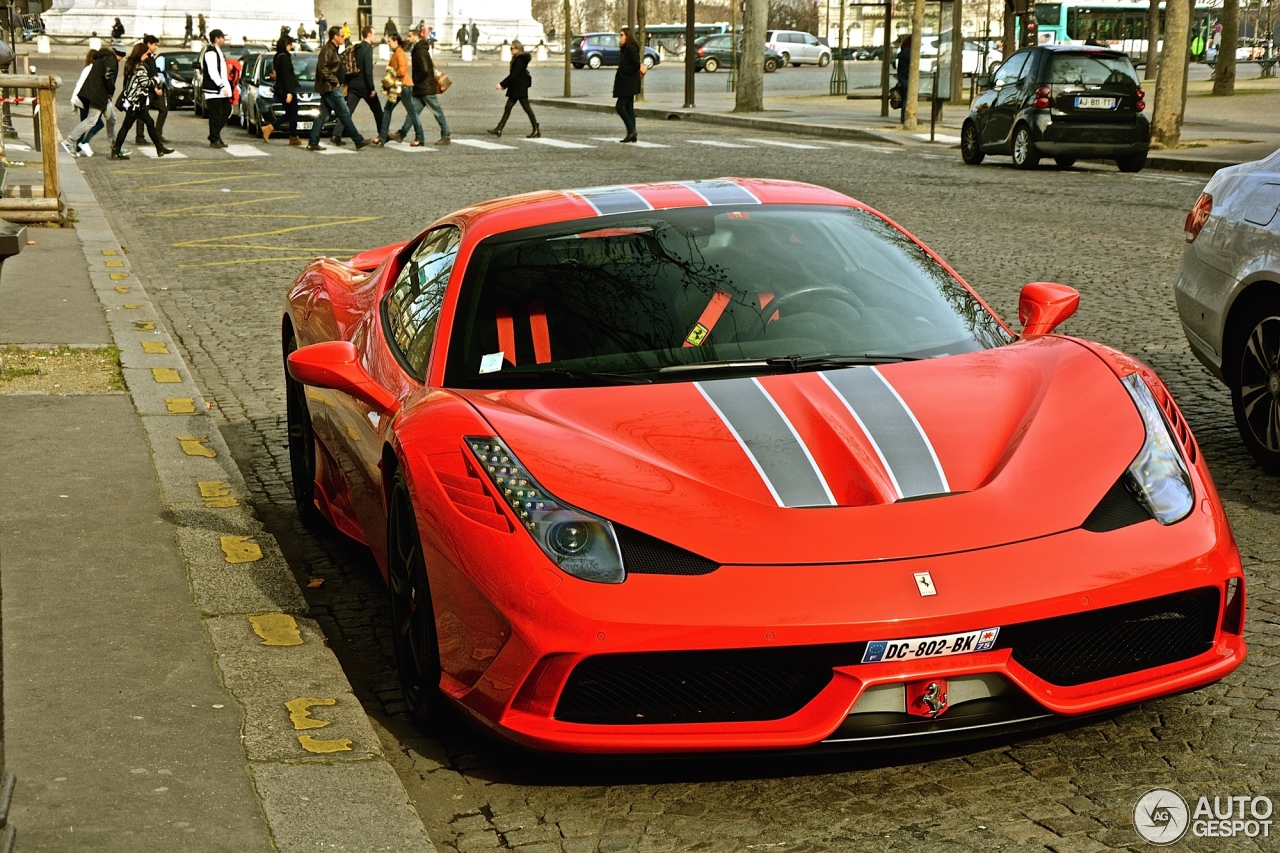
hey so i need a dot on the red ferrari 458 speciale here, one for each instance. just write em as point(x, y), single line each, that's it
point(740, 464)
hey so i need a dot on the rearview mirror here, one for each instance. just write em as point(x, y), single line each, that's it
point(983, 81)
point(336, 365)
point(1044, 305)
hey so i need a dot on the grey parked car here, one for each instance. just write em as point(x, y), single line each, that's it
point(1228, 295)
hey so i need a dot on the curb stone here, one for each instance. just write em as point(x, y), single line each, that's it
point(316, 762)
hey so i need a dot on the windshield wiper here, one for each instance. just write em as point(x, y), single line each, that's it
point(570, 373)
point(794, 363)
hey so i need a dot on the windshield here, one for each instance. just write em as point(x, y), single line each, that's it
point(304, 65)
point(179, 61)
point(659, 295)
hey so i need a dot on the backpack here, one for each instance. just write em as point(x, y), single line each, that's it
point(350, 65)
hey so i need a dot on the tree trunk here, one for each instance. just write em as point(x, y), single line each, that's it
point(1171, 82)
point(911, 97)
point(1224, 70)
point(749, 96)
point(1153, 40)
point(1009, 41)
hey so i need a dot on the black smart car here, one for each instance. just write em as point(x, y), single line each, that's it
point(1060, 101)
point(717, 52)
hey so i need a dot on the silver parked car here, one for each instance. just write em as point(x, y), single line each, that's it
point(1228, 294)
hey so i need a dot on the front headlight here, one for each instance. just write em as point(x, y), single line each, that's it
point(582, 544)
point(179, 84)
point(1158, 476)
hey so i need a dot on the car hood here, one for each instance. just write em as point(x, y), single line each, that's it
point(858, 464)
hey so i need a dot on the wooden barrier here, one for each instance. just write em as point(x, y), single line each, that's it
point(49, 208)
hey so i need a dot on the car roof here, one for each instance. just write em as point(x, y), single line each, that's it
point(1079, 48)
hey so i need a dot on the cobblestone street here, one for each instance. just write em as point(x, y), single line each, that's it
point(216, 240)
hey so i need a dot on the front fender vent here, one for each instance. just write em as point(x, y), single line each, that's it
point(643, 554)
point(467, 493)
point(1178, 424)
point(1118, 508)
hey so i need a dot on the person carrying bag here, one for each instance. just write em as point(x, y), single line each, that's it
point(517, 84)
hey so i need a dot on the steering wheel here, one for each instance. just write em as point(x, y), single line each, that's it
point(831, 290)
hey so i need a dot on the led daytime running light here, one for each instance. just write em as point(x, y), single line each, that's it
point(1158, 476)
point(581, 544)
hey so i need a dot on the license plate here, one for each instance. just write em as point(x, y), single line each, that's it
point(940, 646)
point(305, 125)
point(1095, 103)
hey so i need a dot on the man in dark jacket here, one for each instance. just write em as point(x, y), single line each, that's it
point(331, 99)
point(425, 89)
point(98, 90)
point(361, 85)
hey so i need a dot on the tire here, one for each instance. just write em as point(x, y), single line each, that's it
point(786, 58)
point(302, 444)
point(413, 624)
point(1132, 163)
point(647, 62)
point(577, 65)
point(594, 61)
point(824, 60)
point(710, 65)
point(770, 65)
point(1025, 155)
point(970, 149)
point(1065, 162)
point(1253, 375)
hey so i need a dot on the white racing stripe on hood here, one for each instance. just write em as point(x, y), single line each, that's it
point(895, 434)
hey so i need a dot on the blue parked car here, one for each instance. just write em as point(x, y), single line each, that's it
point(597, 49)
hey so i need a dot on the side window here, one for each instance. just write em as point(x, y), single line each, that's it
point(610, 40)
point(810, 40)
point(412, 307)
point(1011, 70)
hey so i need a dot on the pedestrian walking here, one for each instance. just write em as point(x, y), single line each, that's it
point(134, 99)
point(96, 93)
point(186, 34)
point(516, 84)
point(285, 91)
point(330, 92)
point(117, 30)
point(201, 24)
point(903, 70)
point(216, 88)
point(81, 144)
point(400, 91)
point(426, 89)
point(626, 82)
point(475, 35)
point(322, 27)
point(159, 76)
point(390, 30)
point(361, 84)
point(462, 35)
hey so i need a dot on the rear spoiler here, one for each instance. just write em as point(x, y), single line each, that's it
point(373, 258)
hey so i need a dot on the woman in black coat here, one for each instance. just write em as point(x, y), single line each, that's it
point(517, 84)
point(626, 83)
point(284, 93)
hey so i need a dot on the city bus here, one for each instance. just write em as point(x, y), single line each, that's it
point(1122, 26)
point(670, 37)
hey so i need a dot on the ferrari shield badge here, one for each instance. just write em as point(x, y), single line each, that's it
point(924, 583)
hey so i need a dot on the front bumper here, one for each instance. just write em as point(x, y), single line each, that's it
point(800, 632)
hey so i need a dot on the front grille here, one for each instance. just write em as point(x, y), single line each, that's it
point(1118, 508)
point(643, 554)
point(1071, 650)
point(733, 686)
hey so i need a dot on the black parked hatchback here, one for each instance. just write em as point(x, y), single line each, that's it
point(1060, 101)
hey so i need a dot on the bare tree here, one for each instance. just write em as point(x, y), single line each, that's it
point(1224, 69)
point(749, 97)
point(911, 97)
point(1171, 82)
point(1153, 41)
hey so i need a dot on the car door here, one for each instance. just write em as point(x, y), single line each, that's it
point(1006, 98)
point(812, 47)
point(609, 50)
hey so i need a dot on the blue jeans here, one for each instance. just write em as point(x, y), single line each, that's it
point(431, 102)
point(333, 102)
point(410, 107)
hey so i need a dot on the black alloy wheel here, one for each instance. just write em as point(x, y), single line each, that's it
point(1025, 155)
point(1254, 378)
point(413, 622)
point(302, 444)
point(970, 147)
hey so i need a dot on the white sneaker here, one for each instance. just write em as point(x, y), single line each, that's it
point(85, 150)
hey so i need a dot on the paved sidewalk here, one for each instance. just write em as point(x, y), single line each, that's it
point(163, 687)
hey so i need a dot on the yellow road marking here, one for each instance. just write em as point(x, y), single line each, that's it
point(155, 347)
point(300, 712)
point(119, 276)
point(143, 326)
point(120, 288)
point(194, 445)
point(214, 180)
point(290, 197)
point(241, 549)
point(180, 405)
point(165, 375)
point(132, 306)
point(322, 747)
point(110, 252)
point(113, 263)
point(205, 242)
point(351, 432)
point(276, 629)
point(216, 494)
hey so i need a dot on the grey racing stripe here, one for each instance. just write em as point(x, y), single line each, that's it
point(614, 200)
point(898, 438)
point(722, 192)
point(769, 440)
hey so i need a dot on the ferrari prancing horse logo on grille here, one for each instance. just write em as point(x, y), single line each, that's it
point(924, 583)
